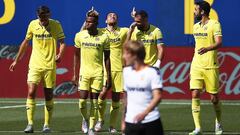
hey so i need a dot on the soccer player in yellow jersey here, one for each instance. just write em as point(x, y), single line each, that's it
point(150, 35)
point(117, 36)
point(204, 71)
point(91, 44)
point(45, 34)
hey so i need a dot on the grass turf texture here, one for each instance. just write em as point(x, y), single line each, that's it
point(176, 117)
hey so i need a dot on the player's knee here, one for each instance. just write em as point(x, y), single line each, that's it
point(94, 103)
point(195, 94)
point(82, 103)
point(115, 105)
point(115, 96)
point(214, 100)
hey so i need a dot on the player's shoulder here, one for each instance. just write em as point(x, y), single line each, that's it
point(34, 22)
point(125, 29)
point(154, 28)
point(127, 69)
point(81, 33)
point(54, 21)
point(153, 71)
point(214, 22)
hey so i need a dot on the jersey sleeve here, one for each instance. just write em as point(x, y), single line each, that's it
point(217, 30)
point(60, 33)
point(29, 33)
point(156, 82)
point(77, 41)
point(159, 37)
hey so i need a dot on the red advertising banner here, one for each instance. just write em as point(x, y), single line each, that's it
point(175, 71)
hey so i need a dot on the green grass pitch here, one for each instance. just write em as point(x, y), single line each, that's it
point(175, 114)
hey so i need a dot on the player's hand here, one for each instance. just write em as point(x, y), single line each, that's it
point(203, 50)
point(12, 66)
point(103, 93)
point(139, 117)
point(132, 26)
point(133, 13)
point(123, 127)
point(58, 58)
point(75, 80)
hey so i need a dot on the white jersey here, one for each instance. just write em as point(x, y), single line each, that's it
point(139, 86)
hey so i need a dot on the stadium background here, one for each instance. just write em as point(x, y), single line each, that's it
point(173, 17)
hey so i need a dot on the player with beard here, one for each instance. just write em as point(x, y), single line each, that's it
point(117, 36)
point(150, 35)
point(204, 71)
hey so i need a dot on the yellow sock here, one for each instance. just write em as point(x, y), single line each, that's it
point(93, 113)
point(196, 112)
point(30, 107)
point(114, 112)
point(83, 108)
point(48, 111)
point(218, 111)
point(102, 109)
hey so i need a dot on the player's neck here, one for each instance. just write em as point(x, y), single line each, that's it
point(204, 20)
point(93, 32)
point(146, 27)
point(139, 65)
point(111, 28)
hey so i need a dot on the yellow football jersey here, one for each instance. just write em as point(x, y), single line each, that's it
point(44, 43)
point(92, 48)
point(204, 37)
point(116, 40)
point(150, 39)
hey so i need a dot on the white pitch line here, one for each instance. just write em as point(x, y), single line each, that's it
point(109, 102)
point(16, 106)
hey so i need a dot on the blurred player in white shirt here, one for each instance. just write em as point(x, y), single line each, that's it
point(142, 93)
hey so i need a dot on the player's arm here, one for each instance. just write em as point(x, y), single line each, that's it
point(20, 54)
point(157, 96)
point(124, 111)
point(108, 67)
point(217, 32)
point(130, 31)
point(76, 60)
point(218, 44)
point(160, 47)
point(76, 65)
point(61, 50)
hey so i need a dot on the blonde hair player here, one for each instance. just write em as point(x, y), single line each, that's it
point(142, 93)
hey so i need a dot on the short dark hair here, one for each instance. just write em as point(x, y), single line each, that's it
point(205, 6)
point(93, 14)
point(142, 13)
point(43, 10)
point(112, 13)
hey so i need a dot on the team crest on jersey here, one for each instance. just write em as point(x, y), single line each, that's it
point(205, 28)
point(86, 37)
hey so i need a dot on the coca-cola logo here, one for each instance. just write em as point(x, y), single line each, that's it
point(65, 88)
point(8, 52)
point(229, 81)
